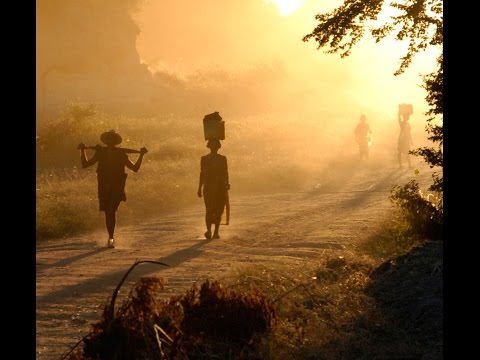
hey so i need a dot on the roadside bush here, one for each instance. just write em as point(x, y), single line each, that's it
point(209, 322)
point(423, 213)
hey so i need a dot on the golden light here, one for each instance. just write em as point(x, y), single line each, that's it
point(286, 7)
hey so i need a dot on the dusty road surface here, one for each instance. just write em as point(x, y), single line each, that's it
point(75, 276)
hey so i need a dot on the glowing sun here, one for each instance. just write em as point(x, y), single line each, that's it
point(286, 7)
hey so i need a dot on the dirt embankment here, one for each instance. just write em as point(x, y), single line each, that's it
point(409, 290)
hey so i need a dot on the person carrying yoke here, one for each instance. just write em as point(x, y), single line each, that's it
point(111, 176)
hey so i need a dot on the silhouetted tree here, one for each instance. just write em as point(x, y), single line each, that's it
point(418, 21)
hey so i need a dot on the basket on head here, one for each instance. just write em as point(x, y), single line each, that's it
point(213, 126)
point(405, 109)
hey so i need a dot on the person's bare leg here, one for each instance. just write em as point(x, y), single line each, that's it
point(215, 232)
point(217, 219)
point(208, 223)
point(408, 160)
point(400, 159)
point(110, 221)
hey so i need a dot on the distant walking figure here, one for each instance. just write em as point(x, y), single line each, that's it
point(404, 139)
point(111, 176)
point(215, 183)
point(362, 136)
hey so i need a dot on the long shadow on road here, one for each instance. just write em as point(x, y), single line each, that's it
point(98, 283)
point(347, 202)
point(351, 201)
point(79, 245)
point(70, 260)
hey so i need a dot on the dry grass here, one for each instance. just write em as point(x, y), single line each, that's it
point(167, 181)
point(355, 306)
point(316, 303)
point(391, 238)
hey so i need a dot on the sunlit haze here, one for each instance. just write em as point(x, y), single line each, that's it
point(241, 58)
point(286, 7)
point(207, 140)
point(184, 37)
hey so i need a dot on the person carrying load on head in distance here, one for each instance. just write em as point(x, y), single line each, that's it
point(405, 137)
point(363, 136)
point(111, 176)
point(215, 184)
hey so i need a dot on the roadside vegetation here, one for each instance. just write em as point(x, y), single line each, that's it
point(381, 300)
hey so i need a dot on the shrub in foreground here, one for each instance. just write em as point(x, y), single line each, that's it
point(205, 323)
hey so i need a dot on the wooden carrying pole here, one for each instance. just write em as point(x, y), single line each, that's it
point(125, 150)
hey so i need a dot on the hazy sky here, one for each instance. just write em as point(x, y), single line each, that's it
point(221, 48)
point(183, 35)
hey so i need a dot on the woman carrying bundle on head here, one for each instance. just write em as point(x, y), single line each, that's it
point(405, 136)
point(215, 184)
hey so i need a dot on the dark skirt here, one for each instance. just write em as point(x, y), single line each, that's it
point(214, 204)
point(111, 191)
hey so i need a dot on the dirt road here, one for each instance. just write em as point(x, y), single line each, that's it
point(76, 275)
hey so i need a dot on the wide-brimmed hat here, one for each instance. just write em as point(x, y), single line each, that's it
point(214, 142)
point(111, 138)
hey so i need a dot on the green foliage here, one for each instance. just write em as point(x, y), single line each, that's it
point(424, 213)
